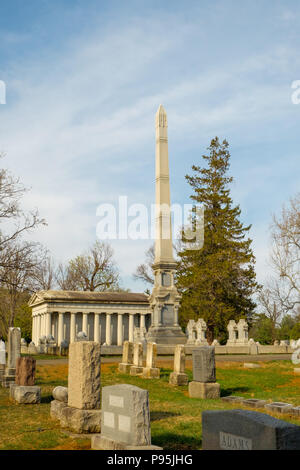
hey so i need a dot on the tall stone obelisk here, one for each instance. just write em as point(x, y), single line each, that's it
point(164, 299)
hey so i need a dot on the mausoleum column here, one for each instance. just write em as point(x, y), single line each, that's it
point(72, 327)
point(96, 328)
point(85, 323)
point(108, 329)
point(60, 335)
point(38, 328)
point(120, 330)
point(142, 323)
point(131, 327)
point(33, 329)
point(48, 324)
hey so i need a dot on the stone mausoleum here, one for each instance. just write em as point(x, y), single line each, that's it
point(106, 317)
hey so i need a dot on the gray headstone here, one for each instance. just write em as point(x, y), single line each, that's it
point(204, 366)
point(247, 430)
point(2, 353)
point(14, 347)
point(125, 414)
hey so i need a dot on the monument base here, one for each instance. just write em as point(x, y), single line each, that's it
point(166, 335)
point(124, 367)
point(177, 378)
point(136, 370)
point(81, 421)
point(7, 380)
point(25, 394)
point(100, 442)
point(204, 390)
point(151, 372)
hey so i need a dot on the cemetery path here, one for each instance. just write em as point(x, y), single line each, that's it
point(222, 358)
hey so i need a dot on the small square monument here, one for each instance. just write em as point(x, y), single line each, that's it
point(125, 419)
point(204, 383)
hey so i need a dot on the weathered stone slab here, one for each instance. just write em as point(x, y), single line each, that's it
point(60, 394)
point(204, 367)
point(81, 421)
point(125, 415)
point(151, 355)
point(124, 368)
point(247, 430)
point(279, 407)
point(296, 410)
point(56, 408)
point(179, 359)
point(84, 375)
point(233, 398)
point(25, 371)
point(204, 390)
point(177, 378)
point(254, 402)
point(25, 394)
point(151, 372)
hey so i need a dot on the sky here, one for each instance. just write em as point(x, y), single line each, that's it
point(84, 80)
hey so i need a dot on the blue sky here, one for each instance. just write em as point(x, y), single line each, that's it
point(85, 78)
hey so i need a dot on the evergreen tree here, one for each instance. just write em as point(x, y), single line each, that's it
point(218, 280)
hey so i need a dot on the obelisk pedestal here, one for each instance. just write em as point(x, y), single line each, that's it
point(165, 298)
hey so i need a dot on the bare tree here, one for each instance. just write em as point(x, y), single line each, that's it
point(144, 272)
point(285, 257)
point(43, 277)
point(18, 275)
point(94, 270)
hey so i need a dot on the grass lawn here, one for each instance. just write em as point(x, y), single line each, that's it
point(175, 418)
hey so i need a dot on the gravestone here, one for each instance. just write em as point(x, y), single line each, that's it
point(137, 367)
point(32, 349)
point(25, 371)
point(242, 327)
point(24, 347)
point(191, 332)
point(151, 371)
point(23, 390)
point(14, 351)
point(232, 333)
point(127, 358)
point(51, 346)
point(204, 374)
point(125, 419)
point(2, 359)
point(178, 376)
point(64, 348)
point(200, 327)
point(82, 413)
point(247, 430)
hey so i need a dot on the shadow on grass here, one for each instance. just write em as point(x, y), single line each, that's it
point(171, 441)
point(157, 415)
point(47, 399)
point(233, 390)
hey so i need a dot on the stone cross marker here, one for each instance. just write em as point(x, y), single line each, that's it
point(247, 430)
point(125, 420)
point(127, 358)
point(179, 377)
point(25, 371)
point(84, 375)
point(204, 374)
